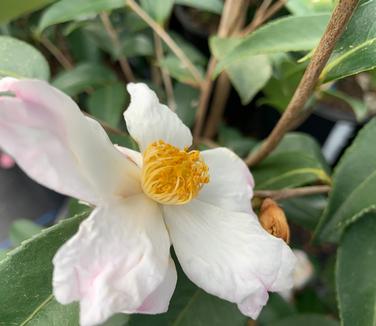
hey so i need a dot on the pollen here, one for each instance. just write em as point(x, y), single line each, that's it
point(172, 176)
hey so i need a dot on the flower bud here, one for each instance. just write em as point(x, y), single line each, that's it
point(273, 220)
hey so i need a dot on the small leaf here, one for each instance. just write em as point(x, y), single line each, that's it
point(11, 9)
point(22, 230)
point(296, 161)
point(355, 50)
point(21, 60)
point(66, 10)
point(108, 103)
point(354, 186)
point(292, 33)
point(186, 99)
point(26, 277)
point(82, 77)
point(159, 10)
point(306, 320)
point(355, 273)
point(234, 140)
point(248, 76)
point(309, 7)
point(214, 6)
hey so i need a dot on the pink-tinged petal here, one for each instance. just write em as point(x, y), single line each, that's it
point(229, 254)
point(6, 162)
point(131, 154)
point(116, 262)
point(231, 184)
point(148, 120)
point(55, 144)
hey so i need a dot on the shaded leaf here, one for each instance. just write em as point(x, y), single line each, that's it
point(276, 309)
point(82, 77)
point(306, 320)
point(309, 7)
point(355, 273)
point(354, 186)
point(234, 140)
point(159, 10)
point(292, 33)
point(214, 6)
point(296, 161)
point(21, 60)
point(186, 99)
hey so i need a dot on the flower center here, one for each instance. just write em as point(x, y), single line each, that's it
point(172, 176)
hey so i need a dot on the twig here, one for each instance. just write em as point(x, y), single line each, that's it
point(232, 13)
point(165, 76)
point(294, 192)
point(336, 26)
point(167, 39)
point(54, 50)
point(110, 30)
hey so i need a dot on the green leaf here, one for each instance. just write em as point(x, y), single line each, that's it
point(11, 9)
point(354, 186)
point(359, 108)
point(276, 309)
point(26, 277)
point(192, 306)
point(22, 230)
point(292, 33)
point(21, 60)
point(309, 7)
point(304, 211)
point(355, 273)
point(248, 76)
point(355, 50)
point(82, 77)
point(214, 6)
point(186, 103)
point(296, 161)
point(179, 71)
point(306, 320)
point(108, 103)
point(159, 10)
point(234, 140)
point(66, 10)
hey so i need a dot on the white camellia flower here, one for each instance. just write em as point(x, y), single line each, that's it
point(119, 260)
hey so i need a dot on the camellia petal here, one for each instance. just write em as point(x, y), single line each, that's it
point(116, 262)
point(229, 254)
point(56, 145)
point(148, 120)
point(231, 184)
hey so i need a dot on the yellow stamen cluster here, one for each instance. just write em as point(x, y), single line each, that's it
point(171, 176)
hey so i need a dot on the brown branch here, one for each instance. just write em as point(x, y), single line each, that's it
point(110, 30)
point(165, 76)
point(294, 192)
point(334, 30)
point(55, 51)
point(167, 39)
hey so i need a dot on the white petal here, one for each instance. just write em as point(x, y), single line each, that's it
point(228, 254)
point(132, 155)
point(117, 260)
point(231, 184)
point(55, 144)
point(148, 120)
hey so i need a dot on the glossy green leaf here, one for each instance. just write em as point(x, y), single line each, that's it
point(22, 230)
point(11, 9)
point(82, 77)
point(296, 161)
point(292, 33)
point(354, 186)
point(355, 50)
point(66, 10)
point(306, 320)
point(249, 75)
point(355, 273)
point(232, 138)
point(304, 211)
point(108, 103)
point(159, 10)
point(192, 306)
point(26, 277)
point(214, 6)
point(359, 108)
point(186, 99)
point(21, 60)
point(309, 7)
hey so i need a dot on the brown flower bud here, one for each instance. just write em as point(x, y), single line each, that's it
point(273, 220)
